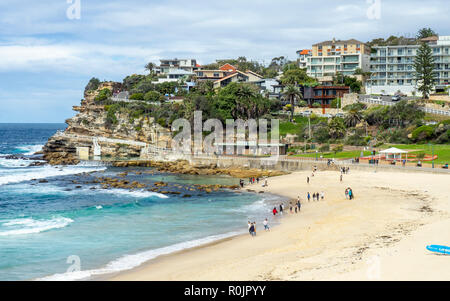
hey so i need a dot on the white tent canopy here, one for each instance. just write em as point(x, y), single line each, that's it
point(394, 153)
point(393, 150)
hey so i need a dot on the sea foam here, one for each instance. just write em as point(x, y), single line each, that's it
point(42, 172)
point(24, 226)
point(128, 262)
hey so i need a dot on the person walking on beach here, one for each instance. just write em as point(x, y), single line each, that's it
point(281, 209)
point(252, 230)
point(341, 177)
point(274, 211)
point(322, 195)
point(350, 193)
point(346, 193)
point(307, 180)
point(309, 197)
point(266, 225)
point(299, 205)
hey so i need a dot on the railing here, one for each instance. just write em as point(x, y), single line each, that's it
point(119, 99)
point(387, 103)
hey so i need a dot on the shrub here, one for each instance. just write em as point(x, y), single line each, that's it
point(103, 95)
point(324, 148)
point(422, 133)
point(338, 148)
point(92, 85)
point(356, 139)
point(137, 96)
point(153, 96)
point(162, 122)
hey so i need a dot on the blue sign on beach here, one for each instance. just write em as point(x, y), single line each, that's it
point(439, 249)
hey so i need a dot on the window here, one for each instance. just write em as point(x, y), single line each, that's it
point(216, 75)
point(200, 73)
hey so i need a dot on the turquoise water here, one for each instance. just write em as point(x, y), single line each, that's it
point(45, 228)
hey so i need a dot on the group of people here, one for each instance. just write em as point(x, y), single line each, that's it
point(297, 206)
point(345, 170)
point(275, 211)
point(252, 180)
point(316, 196)
point(252, 227)
point(349, 193)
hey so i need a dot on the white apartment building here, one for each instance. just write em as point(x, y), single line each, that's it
point(168, 65)
point(345, 64)
point(392, 67)
point(303, 57)
point(343, 56)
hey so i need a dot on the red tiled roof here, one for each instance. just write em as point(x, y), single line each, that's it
point(228, 67)
point(305, 51)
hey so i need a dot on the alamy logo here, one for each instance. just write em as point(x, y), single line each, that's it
point(374, 10)
point(73, 12)
point(75, 264)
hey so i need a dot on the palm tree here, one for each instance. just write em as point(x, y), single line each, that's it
point(150, 66)
point(292, 93)
point(245, 103)
point(353, 117)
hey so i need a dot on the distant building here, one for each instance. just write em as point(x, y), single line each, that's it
point(203, 75)
point(324, 94)
point(189, 65)
point(303, 57)
point(343, 56)
point(392, 67)
point(237, 76)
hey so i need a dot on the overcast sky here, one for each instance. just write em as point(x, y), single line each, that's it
point(47, 55)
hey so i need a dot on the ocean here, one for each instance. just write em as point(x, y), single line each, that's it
point(57, 224)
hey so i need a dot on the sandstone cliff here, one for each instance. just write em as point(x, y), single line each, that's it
point(90, 123)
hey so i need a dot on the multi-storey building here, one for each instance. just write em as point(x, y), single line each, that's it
point(189, 65)
point(303, 57)
point(331, 57)
point(392, 67)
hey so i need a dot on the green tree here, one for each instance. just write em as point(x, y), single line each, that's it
point(354, 84)
point(153, 96)
point(150, 67)
point(292, 93)
point(336, 128)
point(296, 76)
point(424, 65)
point(92, 85)
point(353, 116)
point(425, 33)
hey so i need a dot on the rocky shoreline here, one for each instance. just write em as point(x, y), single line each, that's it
point(184, 167)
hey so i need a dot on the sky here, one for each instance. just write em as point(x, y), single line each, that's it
point(49, 49)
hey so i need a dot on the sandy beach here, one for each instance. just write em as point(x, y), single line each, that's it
point(379, 235)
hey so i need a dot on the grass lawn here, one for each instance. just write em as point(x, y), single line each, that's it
point(341, 155)
point(287, 127)
point(442, 151)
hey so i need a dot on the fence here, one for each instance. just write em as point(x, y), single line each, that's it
point(387, 103)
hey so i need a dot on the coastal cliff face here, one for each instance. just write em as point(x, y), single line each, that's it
point(91, 123)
